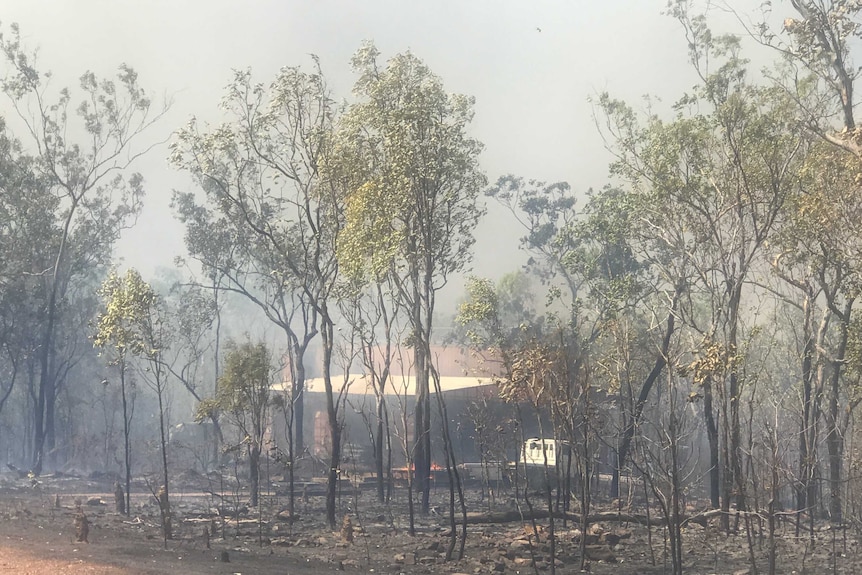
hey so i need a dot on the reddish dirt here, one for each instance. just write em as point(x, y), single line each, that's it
point(38, 541)
point(46, 550)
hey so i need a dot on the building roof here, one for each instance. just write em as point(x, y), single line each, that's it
point(459, 369)
point(400, 385)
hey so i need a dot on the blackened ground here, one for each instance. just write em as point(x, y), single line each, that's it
point(37, 537)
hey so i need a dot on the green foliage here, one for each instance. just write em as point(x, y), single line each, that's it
point(111, 112)
point(500, 316)
point(268, 227)
point(547, 212)
point(482, 309)
point(121, 325)
point(589, 251)
point(823, 227)
point(409, 170)
point(243, 388)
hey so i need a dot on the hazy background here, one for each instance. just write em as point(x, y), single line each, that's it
point(532, 67)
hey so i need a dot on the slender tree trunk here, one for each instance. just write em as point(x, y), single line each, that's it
point(675, 519)
point(634, 420)
point(586, 464)
point(834, 438)
point(46, 381)
point(298, 400)
point(806, 455)
point(725, 457)
point(39, 430)
point(295, 411)
point(378, 448)
point(422, 431)
point(388, 456)
point(453, 476)
point(165, 503)
point(712, 439)
point(326, 330)
point(219, 438)
point(127, 448)
point(254, 473)
point(735, 398)
point(50, 455)
point(409, 456)
point(775, 485)
point(421, 310)
point(291, 460)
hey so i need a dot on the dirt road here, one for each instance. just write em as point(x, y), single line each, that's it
point(39, 544)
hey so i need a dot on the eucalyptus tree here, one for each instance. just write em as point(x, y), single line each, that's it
point(724, 167)
point(118, 335)
point(816, 44)
point(412, 182)
point(534, 373)
point(514, 319)
point(243, 394)
point(636, 274)
point(547, 214)
point(583, 257)
point(818, 253)
point(376, 316)
point(23, 224)
point(194, 317)
point(588, 259)
point(270, 222)
point(137, 325)
point(160, 338)
point(81, 155)
point(157, 334)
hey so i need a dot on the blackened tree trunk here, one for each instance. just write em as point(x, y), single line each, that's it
point(378, 448)
point(164, 501)
point(735, 394)
point(834, 437)
point(712, 439)
point(634, 420)
point(254, 473)
point(127, 432)
point(327, 334)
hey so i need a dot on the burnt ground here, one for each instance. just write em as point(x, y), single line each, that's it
point(38, 537)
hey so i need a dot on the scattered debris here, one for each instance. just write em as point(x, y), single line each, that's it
point(347, 529)
point(119, 498)
point(82, 526)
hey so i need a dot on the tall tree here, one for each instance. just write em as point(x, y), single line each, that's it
point(816, 45)
point(118, 334)
point(244, 394)
point(724, 167)
point(272, 223)
point(25, 208)
point(157, 334)
point(587, 261)
point(817, 254)
point(94, 196)
point(412, 184)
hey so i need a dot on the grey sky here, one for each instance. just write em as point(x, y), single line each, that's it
point(531, 65)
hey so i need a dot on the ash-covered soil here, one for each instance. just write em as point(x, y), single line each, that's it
point(37, 536)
